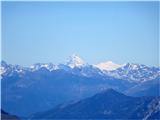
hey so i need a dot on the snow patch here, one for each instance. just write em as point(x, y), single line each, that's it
point(109, 65)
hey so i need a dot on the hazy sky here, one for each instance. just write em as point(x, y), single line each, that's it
point(97, 31)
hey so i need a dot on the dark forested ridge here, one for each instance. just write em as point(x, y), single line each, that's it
point(108, 104)
point(7, 116)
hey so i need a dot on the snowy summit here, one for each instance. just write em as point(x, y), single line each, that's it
point(75, 61)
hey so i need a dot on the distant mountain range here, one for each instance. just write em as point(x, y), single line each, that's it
point(42, 86)
point(131, 72)
point(108, 104)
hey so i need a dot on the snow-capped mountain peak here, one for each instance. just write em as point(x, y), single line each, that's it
point(75, 65)
point(48, 66)
point(3, 67)
point(9, 69)
point(108, 66)
point(75, 61)
point(135, 72)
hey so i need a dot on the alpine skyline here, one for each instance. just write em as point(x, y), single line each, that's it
point(80, 60)
point(97, 31)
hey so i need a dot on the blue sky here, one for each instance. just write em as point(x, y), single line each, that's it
point(97, 31)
